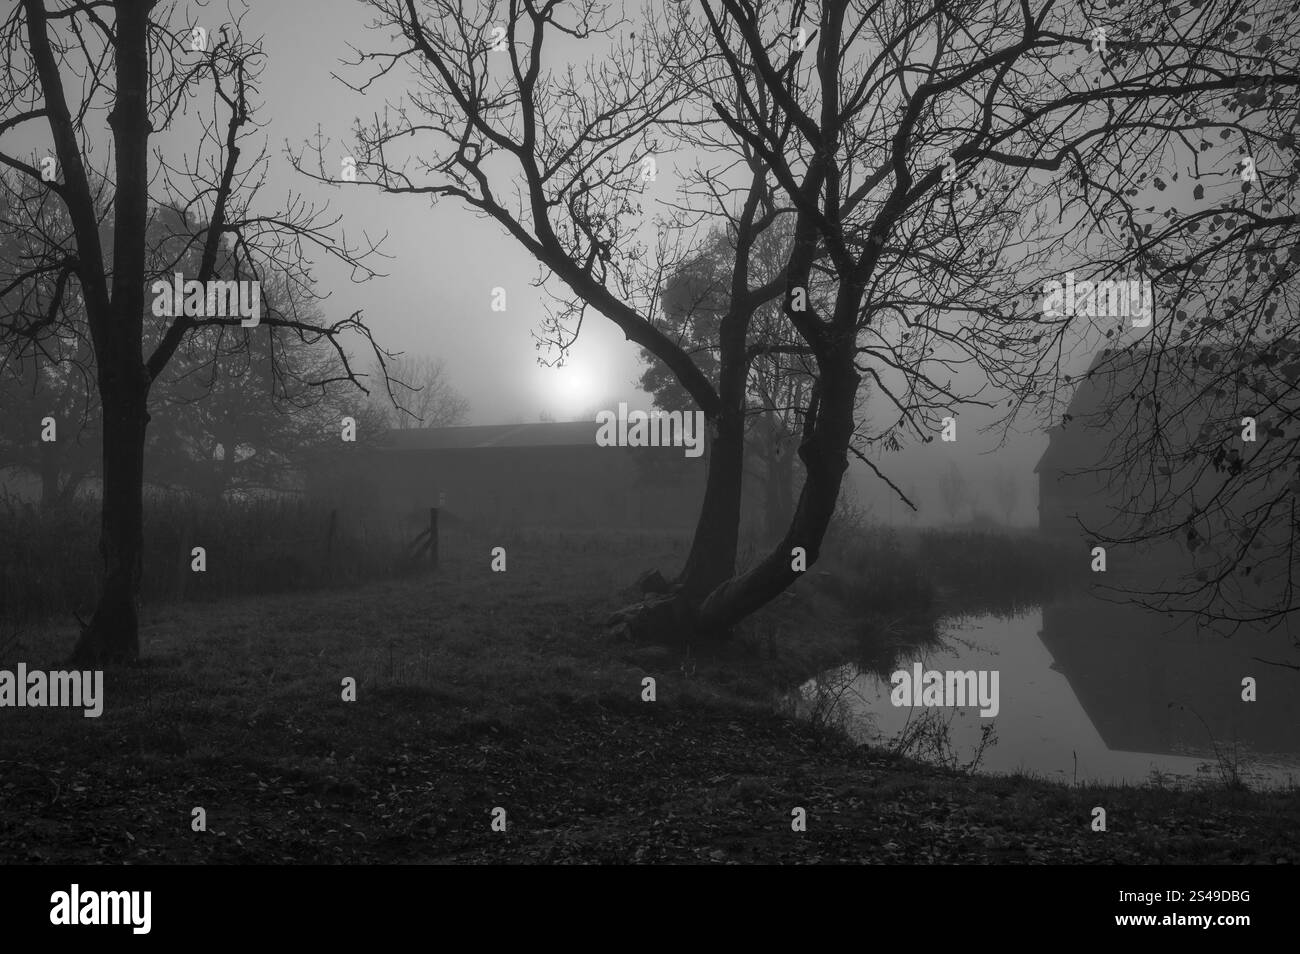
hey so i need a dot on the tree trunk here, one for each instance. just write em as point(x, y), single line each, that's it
point(117, 330)
point(717, 532)
point(825, 456)
point(113, 633)
point(684, 616)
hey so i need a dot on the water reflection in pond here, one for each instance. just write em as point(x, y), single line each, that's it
point(1093, 691)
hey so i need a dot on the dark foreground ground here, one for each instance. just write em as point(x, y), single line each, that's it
point(479, 690)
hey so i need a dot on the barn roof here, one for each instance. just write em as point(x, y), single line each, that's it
point(1078, 440)
point(542, 434)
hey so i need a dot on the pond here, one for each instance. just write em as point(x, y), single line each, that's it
point(1090, 691)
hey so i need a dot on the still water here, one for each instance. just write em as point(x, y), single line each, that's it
point(1091, 691)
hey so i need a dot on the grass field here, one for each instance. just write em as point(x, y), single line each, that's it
point(479, 690)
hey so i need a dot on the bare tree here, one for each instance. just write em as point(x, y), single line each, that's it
point(129, 60)
point(853, 121)
point(51, 379)
point(49, 426)
point(581, 146)
point(780, 379)
point(245, 416)
point(422, 395)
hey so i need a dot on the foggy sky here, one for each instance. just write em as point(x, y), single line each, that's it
point(435, 296)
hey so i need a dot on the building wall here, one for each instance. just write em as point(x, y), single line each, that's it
point(1063, 496)
point(566, 486)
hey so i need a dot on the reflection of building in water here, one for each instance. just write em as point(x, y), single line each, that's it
point(542, 474)
point(1127, 665)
